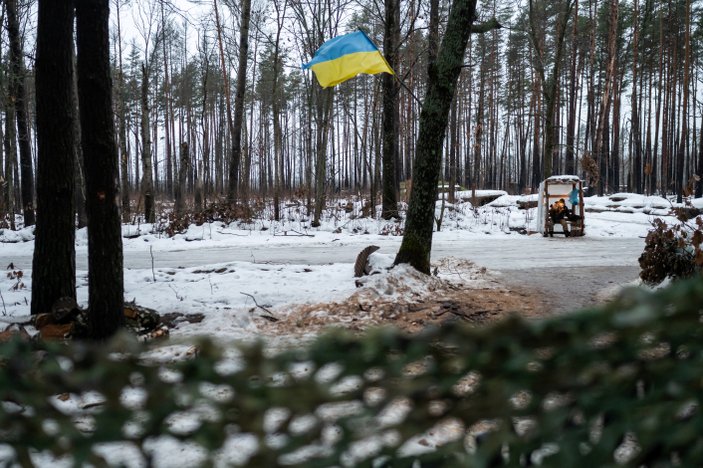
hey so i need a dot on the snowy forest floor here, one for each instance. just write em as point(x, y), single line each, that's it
point(286, 281)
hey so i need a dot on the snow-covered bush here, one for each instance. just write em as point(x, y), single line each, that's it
point(672, 251)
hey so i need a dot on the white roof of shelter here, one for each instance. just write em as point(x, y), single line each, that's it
point(563, 179)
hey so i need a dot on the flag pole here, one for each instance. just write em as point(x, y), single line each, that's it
point(400, 82)
point(410, 91)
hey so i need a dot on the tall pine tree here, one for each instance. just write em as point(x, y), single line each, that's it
point(105, 272)
point(53, 266)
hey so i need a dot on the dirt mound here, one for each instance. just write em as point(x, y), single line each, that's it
point(411, 301)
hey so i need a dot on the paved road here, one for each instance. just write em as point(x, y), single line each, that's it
point(571, 273)
point(500, 253)
point(568, 289)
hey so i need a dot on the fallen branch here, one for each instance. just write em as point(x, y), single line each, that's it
point(232, 234)
point(178, 296)
point(270, 317)
point(297, 234)
point(460, 314)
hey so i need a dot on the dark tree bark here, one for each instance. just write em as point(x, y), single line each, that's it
point(570, 159)
point(478, 129)
point(179, 207)
point(79, 188)
point(277, 97)
point(10, 161)
point(323, 108)
point(148, 195)
point(391, 37)
point(225, 75)
point(53, 266)
point(601, 150)
point(433, 32)
point(122, 124)
point(683, 140)
point(79, 171)
point(443, 75)
point(238, 117)
point(699, 184)
point(635, 136)
point(18, 95)
point(105, 272)
point(168, 104)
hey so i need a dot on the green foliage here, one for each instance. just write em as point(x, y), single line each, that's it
point(272, 66)
point(569, 390)
point(672, 251)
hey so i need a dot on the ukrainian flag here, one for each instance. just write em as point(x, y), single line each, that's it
point(344, 57)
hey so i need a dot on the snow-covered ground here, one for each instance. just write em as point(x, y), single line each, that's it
point(220, 270)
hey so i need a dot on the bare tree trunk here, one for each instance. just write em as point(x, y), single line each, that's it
point(79, 171)
point(219, 148)
point(478, 132)
point(4, 208)
point(10, 161)
point(147, 168)
point(246, 155)
point(453, 152)
point(205, 130)
point(198, 189)
point(276, 98)
point(614, 168)
point(238, 116)
point(18, 95)
point(105, 272)
point(124, 152)
point(570, 159)
point(324, 118)
point(536, 109)
point(610, 76)
point(550, 84)
point(54, 263)
point(167, 108)
point(656, 161)
point(636, 138)
point(224, 68)
point(699, 185)
point(179, 207)
point(681, 151)
point(443, 74)
point(155, 151)
point(391, 39)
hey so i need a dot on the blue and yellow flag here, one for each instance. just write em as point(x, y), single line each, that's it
point(344, 57)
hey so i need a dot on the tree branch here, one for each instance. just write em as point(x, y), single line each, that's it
point(270, 317)
point(480, 28)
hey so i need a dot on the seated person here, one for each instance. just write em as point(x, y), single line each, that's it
point(559, 213)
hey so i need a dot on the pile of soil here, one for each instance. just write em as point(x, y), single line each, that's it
point(411, 304)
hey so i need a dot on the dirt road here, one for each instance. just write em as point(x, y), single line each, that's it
point(568, 289)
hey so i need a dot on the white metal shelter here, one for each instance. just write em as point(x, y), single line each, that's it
point(553, 189)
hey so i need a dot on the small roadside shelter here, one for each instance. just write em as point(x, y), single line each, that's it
point(551, 190)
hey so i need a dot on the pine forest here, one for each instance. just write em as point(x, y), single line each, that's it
point(607, 90)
